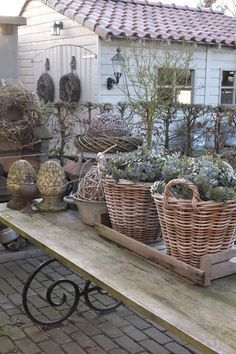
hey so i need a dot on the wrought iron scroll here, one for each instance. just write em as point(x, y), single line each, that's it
point(88, 290)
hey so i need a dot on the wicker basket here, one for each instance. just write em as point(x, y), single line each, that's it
point(193, 228)
point(132, 210)
point(101, 143)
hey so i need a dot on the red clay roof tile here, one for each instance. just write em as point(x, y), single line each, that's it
point(149, 19)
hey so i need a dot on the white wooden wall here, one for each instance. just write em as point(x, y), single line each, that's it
point(207, 62)
point(36, 44)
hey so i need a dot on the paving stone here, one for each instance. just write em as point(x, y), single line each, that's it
point(34, 261)
point(27, 346)
point(83, 340)
point(158, 336)
point(96, 350)
point(16, 333)
point(87, 327)
point(15, 269)
point(6, 345)
point(58, 336)
point(8, 305)
point(134, 333)
point(123, 310)
point(35, 285)
point(69, 328)
point(6, 289)
point(14, 311)
point(14, 282)
point(115, 319)
point(36, 334)
point(50, 347)
point(50, 313)
point(105, 342)
point(73, 348)
point(37, 301)
point(6, 272)
point(110, 330)
point(3, 317)
point(16, 299)
point(118, 351)
point(26, 322)
point(3, 298)
point(128, 344)
point(176, 348)
point(154, 347)
point(64, 270)
point(27, 267)
point(92, 316)
point(138, 321)
point(41, 291)
point(41, 277)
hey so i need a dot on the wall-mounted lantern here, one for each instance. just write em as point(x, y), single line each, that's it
point(117, 63)
point(56, 28)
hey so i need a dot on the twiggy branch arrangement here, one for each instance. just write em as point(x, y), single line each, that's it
point(20, 116)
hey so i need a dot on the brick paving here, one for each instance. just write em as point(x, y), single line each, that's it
point(86, 332)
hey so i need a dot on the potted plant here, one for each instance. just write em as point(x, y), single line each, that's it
point(196, 203)
point(127, 181)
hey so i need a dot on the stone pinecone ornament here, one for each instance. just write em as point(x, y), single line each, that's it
point(18, 174)
point(52, 185)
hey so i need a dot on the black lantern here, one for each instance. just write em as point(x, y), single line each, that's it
point(117, 63)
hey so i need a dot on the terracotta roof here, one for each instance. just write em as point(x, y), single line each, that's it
point(149, 19)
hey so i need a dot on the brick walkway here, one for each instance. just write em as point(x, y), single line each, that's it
point(119, 332)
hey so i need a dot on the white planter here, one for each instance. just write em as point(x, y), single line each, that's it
point(90, 211)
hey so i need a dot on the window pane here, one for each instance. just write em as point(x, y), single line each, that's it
point(183, 78)
point(166, 95)
point(166, 76)
point(226, 96)
point(227, 78)
point(184, 96)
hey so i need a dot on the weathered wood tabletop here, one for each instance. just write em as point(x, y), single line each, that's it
point(204, 317)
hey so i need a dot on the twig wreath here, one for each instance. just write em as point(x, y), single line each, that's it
point(20, 116)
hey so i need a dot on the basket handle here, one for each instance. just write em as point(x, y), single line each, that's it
point(167, 192)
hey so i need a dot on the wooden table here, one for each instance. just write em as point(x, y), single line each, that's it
point(204, 317)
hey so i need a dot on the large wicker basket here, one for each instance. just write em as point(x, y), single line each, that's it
point(132, 210)
point(193, 228)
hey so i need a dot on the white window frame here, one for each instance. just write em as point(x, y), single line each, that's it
point(232, 88)
point(184, 87)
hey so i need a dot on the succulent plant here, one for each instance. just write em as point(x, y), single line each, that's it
point(215, 179)
point(141, 165)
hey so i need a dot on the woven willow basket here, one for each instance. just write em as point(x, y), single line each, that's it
point(101, 143)
point(193, 228)
point(132, 210)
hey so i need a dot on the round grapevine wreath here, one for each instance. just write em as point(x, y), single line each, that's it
point(69, 88)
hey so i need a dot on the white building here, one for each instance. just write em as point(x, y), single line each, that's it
point(91, 31)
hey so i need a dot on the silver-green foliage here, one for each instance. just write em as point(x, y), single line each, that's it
point(215, 179)
point(141, 165)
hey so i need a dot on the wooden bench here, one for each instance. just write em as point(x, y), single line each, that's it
point(204, 317)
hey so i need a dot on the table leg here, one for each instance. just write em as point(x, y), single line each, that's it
point(89, 288)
